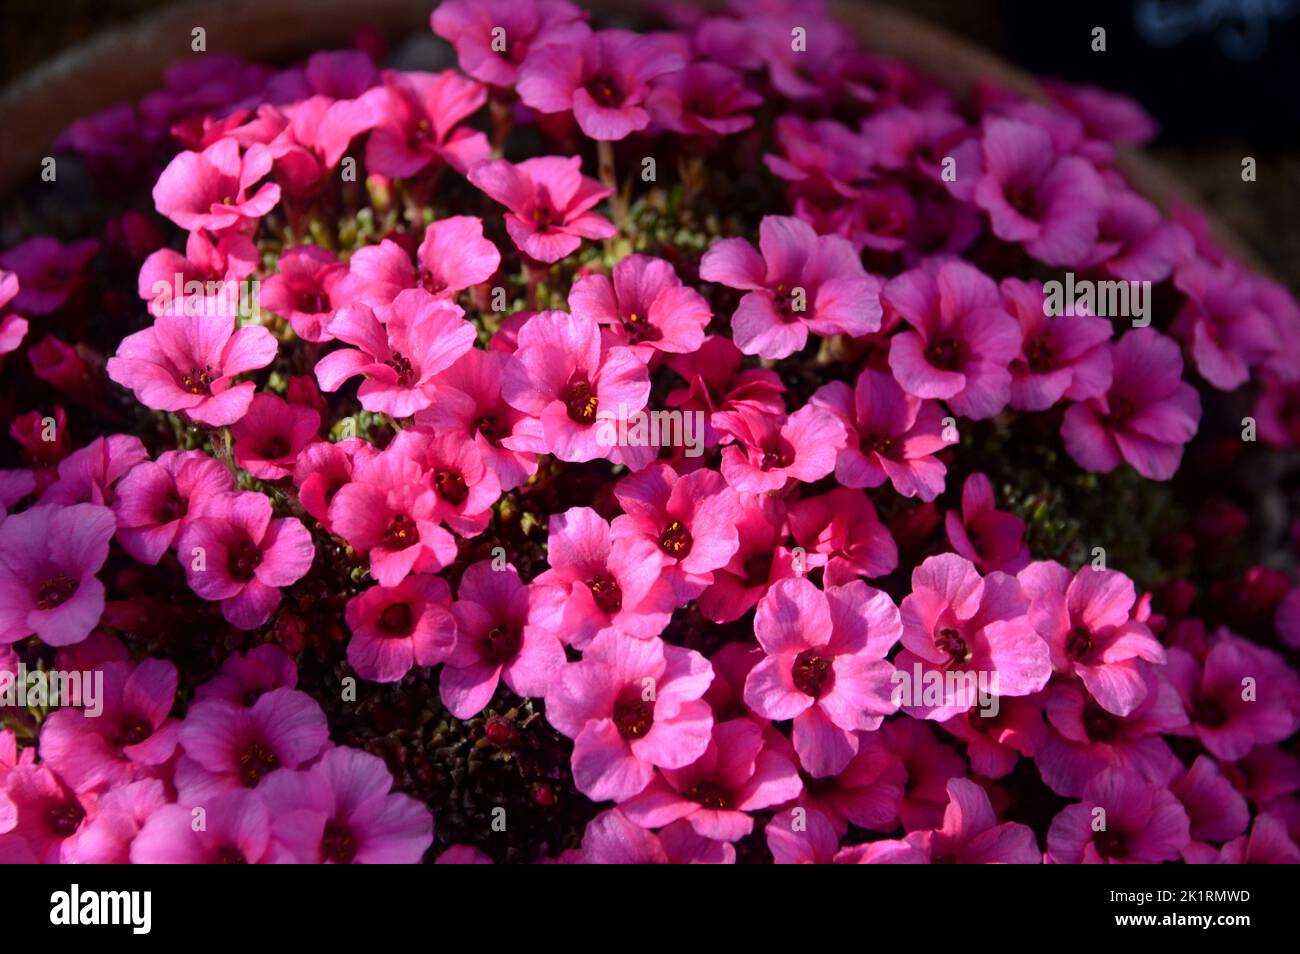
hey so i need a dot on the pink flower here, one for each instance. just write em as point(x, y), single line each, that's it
point(760, 560)
point(691, 519)
point(705, 100)
point(453, 256)
point(602, 77)
point(992, 539)
point(630, 705)
point(107, 836)
point(246, 677)
point(157, 500)
point(211, 189)
point(46, 816)
point(322, 469)
point(467, 401)
point(464, 489)
point(187, 363)
point(1106, 115)
point(600, 581)
point(612, 839)
point(1134, 241)
point(236, 830)
point(716, 385)
point(420, 124)
point(971, 834)
point(1217, 811)
point(1269, 843)
point(236, 554)
point(1060, 356)
point(955, 621)
point(891, 435)
point(496, 641)
point(49, 273)
point(89, 474)
point(1088, 624)
point(166, 274)
point(471, 26)
point(994, 743)
point(1146, 416)
point(399, 350)
point(387, 512)
point(270, 436)
point(962, 340)
point(736, 774)
point(825, 666)
point(550, 203)
point(563, 375)
point(397, 627)
point(129, 738)
point(302, 289)
point(231, 747)
point(49, 556)
point(802, 282)
point(646, 306)
point(1143, 824)
point(770, 451)
point(1033, 195)
point(842, 527)
point(1226, 332)
point(341, 810)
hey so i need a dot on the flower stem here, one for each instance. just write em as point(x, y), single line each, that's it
point(608, 177)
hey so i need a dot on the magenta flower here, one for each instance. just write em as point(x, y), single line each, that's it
point(467, 401)
point(230, 259)
point(322, 469)
point(1226, 332)
point(211, 189)
point(1143, 824)
point(236, 830)
point(801, 282)
point(1060, 356)
point(971, 834)
point(716, 386)
point(704, 100)
point(962, 340)
point(646, 306)
point(761, 558)
point(187, 363)
point(45, 816)
point(342, 810)
point(301, 291)
point(891, 435)
point(612, 839)
point(842, 527)
point(955, 621)
point(88, 475)
point(464, 488)
point(236, 554)
point(49, 556)
point(1217, 811)
point(995, 743)
point(155, 501)
point(601, 581)
point(107, 836)
point(1036, 196)
point(1088, 624)
point(470, 26)
point(495, 642)
point(563, 375)
point(736, 774)
point(399, 350)
point(246, 677)
point(453, 256)
point(1146, 416)
point(1134, 241)
point(420, 127)
point(990, 538)
point(602, 78)
point(130, 738)
point(387, 512)
point(825, 667)
point(231, 747)
point(49, 273)
point(691, 519)
point(549, 202)
point(269, 438)
point(770, 451)
point(395, 628)
point(630, 705)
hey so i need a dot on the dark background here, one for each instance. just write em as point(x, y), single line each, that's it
point(1221, 76)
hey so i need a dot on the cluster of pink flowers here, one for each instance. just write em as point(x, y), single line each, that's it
point(378, 414)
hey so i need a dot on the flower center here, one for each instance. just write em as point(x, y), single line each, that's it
point(401, 533)
point(1100, 725)
point(710, 795)
point(55, 592)
point(65, 818)
point(426, 280)
point(944, 354)
point(1208, 712)
point(501, 644)
point(198, 380)
point(638, 328)
point(490, 427)
point(950, 641)
point(244, 559)
point(338, 844)
point(676, 540)
point(812, 674)
point(1111, 843)
point(776, 458)
point(256, 762)
point(275, 448)
point(133, 733)
point(1121, 410)
point(633, 716)
point(396, 619)
point(544, 217)
point(604, 89)
point(1024, 201)
point(1039, 356)
point(581, 403)
point(405, 370)
point(229, 855)
point(1078, 644)
point(607, 593)
point(451, 487)
point(173, 507)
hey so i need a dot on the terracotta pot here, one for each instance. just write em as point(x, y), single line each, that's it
point(125, 63)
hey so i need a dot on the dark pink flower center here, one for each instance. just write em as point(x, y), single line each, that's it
point(396, 619)
point(544, 218)
point(812, 674)
point(256, 762)
point(133, 732)
point(55, 591)
point(198, 380)
point(1038, 354)
point(1208, 712)
point(639, 328)
point(405, 370)
point(777, 457)
point(607, 593)
point(244, 559)
point(1121, 410)
point(1111, 843)
point(581, 403)
point(873, 444)
point(501, 644)
point(401, 533)
point(950, 642)
point(710, 795)
point(1100, 725)
point(606, 91)
point(64, 818)
point(275, 448)
point(451, 487)
point(944, 354)
point(173, 507)
point(676, 540)
point(1024, 201)
point(491, 428)
point(229, 855)
point(1078, 644)
point(426, 280)
point(633, 716)
point(338, 844)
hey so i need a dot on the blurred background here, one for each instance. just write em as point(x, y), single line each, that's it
point(1220, 76)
